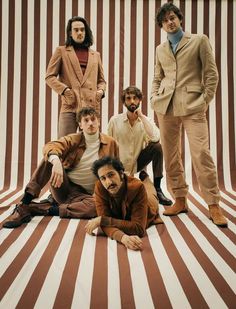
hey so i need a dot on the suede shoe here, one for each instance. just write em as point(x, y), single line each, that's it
point(163, 200)
point(179, 206)
point(216, 215)
point(20, 215)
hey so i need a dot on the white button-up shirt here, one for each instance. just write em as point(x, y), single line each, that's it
point(131, 139)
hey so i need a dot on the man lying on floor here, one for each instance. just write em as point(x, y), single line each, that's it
point(125, 205)
point(67, 166)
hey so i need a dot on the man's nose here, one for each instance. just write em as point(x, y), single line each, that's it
point(108, 182)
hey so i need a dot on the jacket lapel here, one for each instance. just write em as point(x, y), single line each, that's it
point(90, 63)
point(167, 49)
point(183, 41)
point(75, 63)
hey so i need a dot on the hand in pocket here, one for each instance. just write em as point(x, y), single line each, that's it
point(69, 96)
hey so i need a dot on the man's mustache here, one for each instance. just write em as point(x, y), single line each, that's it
point(111, 186)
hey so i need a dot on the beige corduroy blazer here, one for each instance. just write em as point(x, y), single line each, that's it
point(189, 78)
point(64, 71)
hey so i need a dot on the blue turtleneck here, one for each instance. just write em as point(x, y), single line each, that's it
point(175, 38)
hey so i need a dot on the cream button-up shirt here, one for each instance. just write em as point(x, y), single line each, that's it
point(131, 139)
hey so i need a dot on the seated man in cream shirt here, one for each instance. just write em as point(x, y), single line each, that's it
point(138, 139)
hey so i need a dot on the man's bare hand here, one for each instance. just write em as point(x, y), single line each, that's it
point(92, 225)
point(138, 111)
point(57, 173)
point(132, 242)
point(99, 95)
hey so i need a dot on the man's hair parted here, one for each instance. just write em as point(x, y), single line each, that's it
point(166, 8)
point(107, 160)
point(131, 90)
point(85, 111)
point(88, 40)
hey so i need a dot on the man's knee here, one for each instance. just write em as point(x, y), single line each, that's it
point(156, 148)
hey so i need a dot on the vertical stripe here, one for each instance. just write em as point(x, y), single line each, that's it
point(114, 299)
point(93, 22)
point(99, 26)
point(132, 42)
point(87, 10)
point(43, 89)
point(111, 59)
point(145, 72)
point(126, 291)
point(4, 90)
point(82, 292)
point(99, 287)
point(56, 254)
point(67, 284)
point(22, 103)
point(142, 295)
point(175, 292)
point(117, 58)
point(122, 51)
point(219, 95)
point(35, 102)
point(9, 101)
point(105, 57)
point(48, 56)
point(231, 94)
point(74, 8)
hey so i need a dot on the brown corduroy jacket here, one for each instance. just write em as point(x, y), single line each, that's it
point(137, 214)
point(64, 71)
point(70, 148)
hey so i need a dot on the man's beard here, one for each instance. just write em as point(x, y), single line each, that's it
point(78, 45)
point(132, 108)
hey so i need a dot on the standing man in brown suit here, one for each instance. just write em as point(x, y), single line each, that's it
point(184, 83)
point(75, 72)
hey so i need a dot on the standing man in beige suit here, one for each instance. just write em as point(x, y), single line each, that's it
point(184, 83)
point(75, 72)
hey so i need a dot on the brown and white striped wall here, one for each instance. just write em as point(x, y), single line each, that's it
point(50, 263)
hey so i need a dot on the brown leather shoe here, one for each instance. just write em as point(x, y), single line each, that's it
point(179, 206)
point(20, 215)
point(216, 215)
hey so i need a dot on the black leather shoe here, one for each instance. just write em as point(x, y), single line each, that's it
point(143, 175)
point(163, 200)
point(20, 215)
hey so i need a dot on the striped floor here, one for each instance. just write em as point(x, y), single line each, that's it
point(186, 263)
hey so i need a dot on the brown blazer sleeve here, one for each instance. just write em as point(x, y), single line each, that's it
point(116, 228)
point(61, 147)
point(53, 70)
point(101, 83)
point(210, 72)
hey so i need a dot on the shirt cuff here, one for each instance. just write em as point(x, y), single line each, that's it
point(52, 157)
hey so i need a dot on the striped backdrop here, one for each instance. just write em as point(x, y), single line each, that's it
point(52, 263)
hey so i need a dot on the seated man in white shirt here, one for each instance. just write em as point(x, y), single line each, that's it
point(138, 139)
